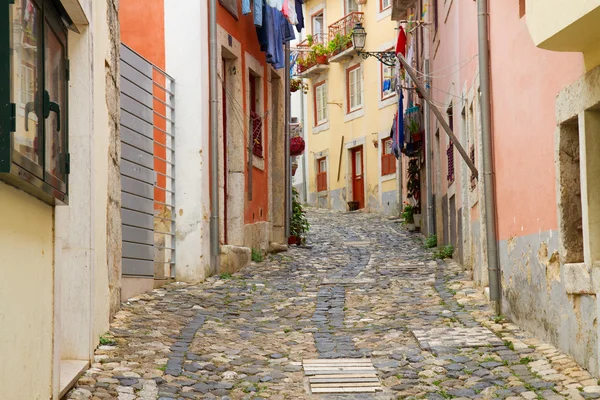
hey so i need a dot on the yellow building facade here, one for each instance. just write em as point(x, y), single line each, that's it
point(351, 104)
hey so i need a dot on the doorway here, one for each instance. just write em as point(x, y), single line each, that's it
point(224, 107)
point(358, 181)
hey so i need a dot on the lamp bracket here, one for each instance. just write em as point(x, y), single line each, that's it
point(385, 57)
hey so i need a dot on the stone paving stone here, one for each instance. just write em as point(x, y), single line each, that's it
point(365, 288)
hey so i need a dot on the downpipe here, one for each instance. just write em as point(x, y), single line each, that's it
point(214, 137)
point(488, 165)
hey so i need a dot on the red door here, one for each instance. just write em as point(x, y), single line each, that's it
point(358, 180)
point(224, 83)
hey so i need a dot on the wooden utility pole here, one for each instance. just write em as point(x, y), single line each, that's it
point(438, 115)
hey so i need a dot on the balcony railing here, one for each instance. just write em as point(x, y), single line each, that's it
point(307, 58)
point(340, 32)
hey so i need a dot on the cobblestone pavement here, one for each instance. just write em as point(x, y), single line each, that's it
point(367, 288)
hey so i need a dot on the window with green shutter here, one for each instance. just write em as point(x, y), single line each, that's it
point(34, 152)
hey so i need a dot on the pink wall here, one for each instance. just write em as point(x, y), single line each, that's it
point(452, 68)
point(525, 82)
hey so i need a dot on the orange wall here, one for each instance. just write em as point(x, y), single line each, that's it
point(243, 30)
point(525, 82)
point(143, 29)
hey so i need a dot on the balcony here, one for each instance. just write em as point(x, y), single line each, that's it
point(559, 25)
point(400, 7)
point(310, 64)
point(340, 37)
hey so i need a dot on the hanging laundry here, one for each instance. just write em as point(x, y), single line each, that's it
point(258, 12)
point(245, 7)
point(299, 15)
point(274, 32)
point(401, 44)
point(292, 17)
point(398, 128)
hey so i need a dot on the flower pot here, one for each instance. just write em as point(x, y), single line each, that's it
point(353, 205)
point(294, 89)
point(418, 136)
point(322, 59)
point(417, 218)
point(294, 168)
point(411, 227)
point(294, 240)
point(297, 146)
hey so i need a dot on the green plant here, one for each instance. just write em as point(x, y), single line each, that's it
point(225, 276)
point(309, 40)
point(431, 241)
point(106, 340)
point(257, 255)
point(299, 225)
point(444, 252)
point(319, 49)
point(509, 344)
point(408, 213)
point(339, 43)
point(413, 184)
point(297, 84)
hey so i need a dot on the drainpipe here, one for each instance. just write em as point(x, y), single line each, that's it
point(428, 165)
point(488, 178)
point(304, 182)
point(214, 138)
point(288, 160)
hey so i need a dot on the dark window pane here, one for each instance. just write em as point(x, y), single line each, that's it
point(26, 76)
point(55, 88)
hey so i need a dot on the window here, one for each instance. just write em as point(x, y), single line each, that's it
point(384, 4)
point(350, 6)
point(37, 159)
point(388, 159)
point(320, 102)
point(318, 21)
point(256, 120)
point(435, 16)
point(522, 8)
point(354, 88)
point(388, 81)
point(321, 174)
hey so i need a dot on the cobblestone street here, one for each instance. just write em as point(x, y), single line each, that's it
point(366, 289)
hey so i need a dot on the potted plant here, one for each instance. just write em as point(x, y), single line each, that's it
point(408, 216)
point(413, 186)
point(299, 225)
point(297, 146)
point(321, 53)
point(309, 40)
point(297, 84)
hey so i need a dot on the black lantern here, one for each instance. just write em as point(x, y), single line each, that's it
point(359, 38)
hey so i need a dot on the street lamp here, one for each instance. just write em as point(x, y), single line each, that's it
point(359, 37)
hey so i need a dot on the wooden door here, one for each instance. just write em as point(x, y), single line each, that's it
point(358, 180)
point(225, 170)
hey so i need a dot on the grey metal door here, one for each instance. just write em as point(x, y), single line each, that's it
point(137, 165)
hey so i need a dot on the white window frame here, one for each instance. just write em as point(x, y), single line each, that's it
point(384, 95)
point(355, 96)
point(347, 4)
point(321, 115)
point(382, 6)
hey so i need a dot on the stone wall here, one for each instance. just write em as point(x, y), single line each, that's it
point(113, 222)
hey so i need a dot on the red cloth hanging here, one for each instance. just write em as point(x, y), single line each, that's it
point(401, 44)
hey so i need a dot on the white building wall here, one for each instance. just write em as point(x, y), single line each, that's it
point(186, 43)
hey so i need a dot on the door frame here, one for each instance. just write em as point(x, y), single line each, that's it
point(349, 146)
point(354, 151)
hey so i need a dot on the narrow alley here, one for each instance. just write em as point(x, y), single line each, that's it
point(365, 289)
